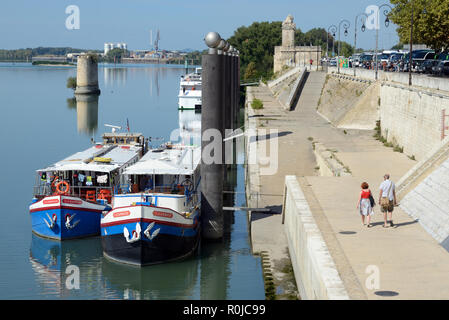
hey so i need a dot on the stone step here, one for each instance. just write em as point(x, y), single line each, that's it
point(312, 91)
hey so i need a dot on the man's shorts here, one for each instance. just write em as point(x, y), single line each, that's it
point(388, 208)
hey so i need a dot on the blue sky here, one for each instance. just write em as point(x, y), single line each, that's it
point(182, 24)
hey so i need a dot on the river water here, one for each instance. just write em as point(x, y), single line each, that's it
point(42, 124)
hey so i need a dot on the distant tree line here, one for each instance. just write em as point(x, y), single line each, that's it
point(28, 53)
point(256, 45)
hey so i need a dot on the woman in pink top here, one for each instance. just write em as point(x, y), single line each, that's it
point(364, 204)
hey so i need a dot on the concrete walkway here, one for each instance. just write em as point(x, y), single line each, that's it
point(411, 264)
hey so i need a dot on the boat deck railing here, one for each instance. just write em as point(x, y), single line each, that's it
point(95, 194)
point(174, 189)
point(134, 188)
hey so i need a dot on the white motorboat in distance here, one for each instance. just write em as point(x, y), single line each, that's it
point(190, 91)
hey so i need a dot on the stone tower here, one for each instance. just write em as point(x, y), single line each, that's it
point(288, 55)
point(288, 32)
point(87, 75)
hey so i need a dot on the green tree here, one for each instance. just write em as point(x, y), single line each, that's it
point(71, 83)
point(116, 55)
point(317, 37)
point(346, 50)
point(398, 46)
point(256, 44)
point(430, 27)
point(250, 71)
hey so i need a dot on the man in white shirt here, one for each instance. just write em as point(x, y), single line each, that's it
point(387, 190)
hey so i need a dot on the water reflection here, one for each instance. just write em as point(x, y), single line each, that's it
point(50, 260)
point(175, 280)
point(190, 127)
point(118, 76)
point(215, 270)
point(115, 75)
point(87, 113)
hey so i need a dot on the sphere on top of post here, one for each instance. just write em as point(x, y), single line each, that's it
point(221, 46)
point(213, 40)
point(226, 48)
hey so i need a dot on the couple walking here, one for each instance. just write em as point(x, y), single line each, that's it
point(387, 202)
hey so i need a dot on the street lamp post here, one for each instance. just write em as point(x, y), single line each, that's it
point(333, 29)
point(387, 22)
point(411, 48)
point(346, 25)
point(355, 34)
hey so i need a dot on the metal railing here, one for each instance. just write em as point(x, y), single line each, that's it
point(88, 193)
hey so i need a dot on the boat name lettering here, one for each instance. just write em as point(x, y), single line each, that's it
point(121, 214)
point(163, 214)
point(71, 201)
point(51, 201)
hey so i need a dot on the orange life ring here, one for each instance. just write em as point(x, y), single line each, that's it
point(66, 190)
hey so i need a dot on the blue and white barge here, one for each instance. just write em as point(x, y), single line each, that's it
point(70, 196)
point(156, 217)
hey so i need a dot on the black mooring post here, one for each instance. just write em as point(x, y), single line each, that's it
point(227, 100)
point(212, 173)
point(232, 94)
point(237, 89)
point(237, 63)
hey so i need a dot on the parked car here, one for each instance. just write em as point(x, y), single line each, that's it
point(333, 62)
point(366, 60)
point(418, 57)
point(396, 57)
point(383, 58)
point(356, 60)
point(442, 69)
point(427, 66)
point(442, 56)
point(395, 62)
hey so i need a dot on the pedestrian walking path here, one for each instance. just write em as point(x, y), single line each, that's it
point(410, 263)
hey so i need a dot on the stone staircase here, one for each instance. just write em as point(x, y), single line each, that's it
point(311, 92)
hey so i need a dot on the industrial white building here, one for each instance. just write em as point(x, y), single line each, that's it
point(108, 46)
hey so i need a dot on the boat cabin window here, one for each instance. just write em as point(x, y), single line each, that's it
point(169, 184)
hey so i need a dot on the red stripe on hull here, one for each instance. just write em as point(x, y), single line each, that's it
point(174, 224)
point(142, 205)
point(65, 207)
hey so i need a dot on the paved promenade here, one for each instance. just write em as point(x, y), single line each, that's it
point(411, 264)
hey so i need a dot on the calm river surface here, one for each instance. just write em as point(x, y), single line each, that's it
point(40, 125)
